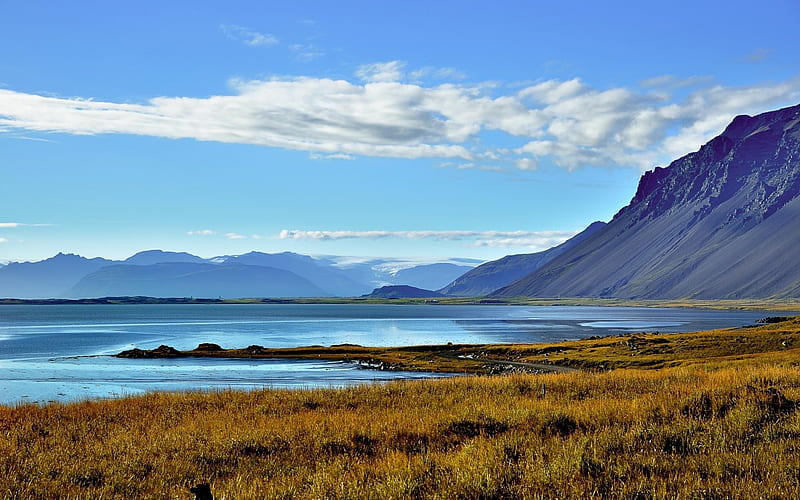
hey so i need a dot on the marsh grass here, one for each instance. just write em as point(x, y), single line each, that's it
point(672, 433)
point(725, 427)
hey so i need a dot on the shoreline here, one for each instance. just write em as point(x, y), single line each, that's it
point(450, 358)
point(731, 304)
point(774, 336)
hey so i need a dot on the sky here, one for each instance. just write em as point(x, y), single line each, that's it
point(366, 128)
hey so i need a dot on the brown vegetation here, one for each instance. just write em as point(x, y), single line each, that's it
point(726, 427)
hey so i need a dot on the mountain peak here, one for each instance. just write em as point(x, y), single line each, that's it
point(745, 125)
point(748, 152)
point(148, 257)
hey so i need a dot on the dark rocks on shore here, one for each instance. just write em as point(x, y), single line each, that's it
point(376, 364)
point(162, 351)
point(207, 346)
point(255, 349)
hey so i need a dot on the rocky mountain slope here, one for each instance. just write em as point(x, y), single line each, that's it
point(499, 273)
point(723, 222)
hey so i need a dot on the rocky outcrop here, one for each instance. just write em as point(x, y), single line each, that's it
point(162, 351)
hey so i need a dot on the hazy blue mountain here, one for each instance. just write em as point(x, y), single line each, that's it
point(159, 256)
point(723, 222)
point(327, 277)
point(47, 278)
point(186, 279)
point(57, 276)
point(402, 292)
point(430, 276)
point(377, 272)
point(490, 276)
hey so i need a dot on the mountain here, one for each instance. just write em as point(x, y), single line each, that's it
point(402, 292)
point(430, 276)
point(377, 272)
point(490, 276)
point(321, 276)
point(723, 222)
point(47, 278)
point(330, 279)
point(187, 279)
point(159, 256)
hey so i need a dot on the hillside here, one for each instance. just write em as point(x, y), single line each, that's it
point(402, 292)
point(501, 272)
point(720, 223)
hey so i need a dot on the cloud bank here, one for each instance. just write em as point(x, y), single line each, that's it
point(501, 239)
point(567, 123)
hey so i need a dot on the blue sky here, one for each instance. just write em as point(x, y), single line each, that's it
point(407, 129)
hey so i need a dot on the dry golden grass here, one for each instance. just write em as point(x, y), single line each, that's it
point(723, 428)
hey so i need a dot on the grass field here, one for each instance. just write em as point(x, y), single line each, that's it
point(703, 415)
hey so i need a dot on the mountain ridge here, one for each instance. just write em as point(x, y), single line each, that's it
point(495, 274)
point(190, 279)
point(74, 276)
point(722, 222)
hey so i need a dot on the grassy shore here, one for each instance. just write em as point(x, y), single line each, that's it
point(751, 304)
point(703, 415)
point(633, 350)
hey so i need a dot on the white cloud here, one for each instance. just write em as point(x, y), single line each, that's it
point(382, 72)
point(3, 240)
point(235, 236)
point(567, 123)
point(529, 239)
point(337, 156)
point(248, 36)
point(306, 52)
point(527, 164)
point(437, 74)
point(539, 243)
point(201, 232)
point(10, 225)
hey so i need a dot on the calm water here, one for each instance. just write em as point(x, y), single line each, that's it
point(44, 349)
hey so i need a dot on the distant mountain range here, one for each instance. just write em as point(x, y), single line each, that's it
point(191, 279)
point(723, 222)
point(46, 278)
point(158, 273)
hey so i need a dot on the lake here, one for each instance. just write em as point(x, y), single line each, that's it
point(60, 352)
